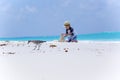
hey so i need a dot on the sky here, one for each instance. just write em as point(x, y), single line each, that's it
point(20, 18)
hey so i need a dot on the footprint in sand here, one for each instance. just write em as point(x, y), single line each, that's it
point(66, 49)
point(99, 52)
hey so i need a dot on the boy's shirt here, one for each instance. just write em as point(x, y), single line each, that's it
point(70, 31)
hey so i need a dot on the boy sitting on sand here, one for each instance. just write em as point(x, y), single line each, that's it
point(71, 37)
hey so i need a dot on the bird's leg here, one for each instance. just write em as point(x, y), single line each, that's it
point(35, 47)
point(39, 46)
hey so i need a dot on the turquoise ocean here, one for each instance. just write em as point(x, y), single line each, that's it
point(103, 36)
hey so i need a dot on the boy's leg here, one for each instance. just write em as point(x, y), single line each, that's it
point(74, 38)
point(69, 39)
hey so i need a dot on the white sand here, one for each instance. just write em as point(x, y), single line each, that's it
point(85, 60)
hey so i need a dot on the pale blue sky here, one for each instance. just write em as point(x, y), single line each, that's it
point(46, 17)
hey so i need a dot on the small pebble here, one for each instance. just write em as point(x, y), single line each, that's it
point(66, 50)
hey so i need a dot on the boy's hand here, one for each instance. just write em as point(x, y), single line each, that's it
point(64, 34)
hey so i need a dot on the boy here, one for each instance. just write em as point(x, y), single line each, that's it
point(69, 33)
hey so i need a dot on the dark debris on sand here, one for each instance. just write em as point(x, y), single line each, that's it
point(12, 53)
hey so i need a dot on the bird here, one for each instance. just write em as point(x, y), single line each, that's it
point(37, 43)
